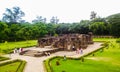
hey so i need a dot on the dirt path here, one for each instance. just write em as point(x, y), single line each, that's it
point(35, 64)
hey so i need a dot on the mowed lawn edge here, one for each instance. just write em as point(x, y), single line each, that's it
point(9, 46)
point(49, 67)
point(13, 66)
point(3, 58)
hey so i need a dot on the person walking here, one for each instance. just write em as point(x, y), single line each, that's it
point(15, 50)
point(20, 50)
point(77, 51)
point(73, 48)
point(64, 57)
point(81, 51)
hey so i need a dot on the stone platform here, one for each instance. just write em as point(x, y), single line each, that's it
point(38, 52)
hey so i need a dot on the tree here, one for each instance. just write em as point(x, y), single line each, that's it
point(13, 30)
point(62, 28)
point(25, 32)
point(93, 15)
point(84, 26)
point(98, 28)
point(39, 19)
point(114, 21)
point(51, 29)
point(13, 15)
point(101, 21)
point(4, 30)
point(54, 20)
point(40, 29)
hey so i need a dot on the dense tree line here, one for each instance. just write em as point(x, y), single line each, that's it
point(13, 28)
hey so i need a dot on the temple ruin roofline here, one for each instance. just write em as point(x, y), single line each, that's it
point(67, 41)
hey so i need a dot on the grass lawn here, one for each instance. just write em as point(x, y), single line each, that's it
point(9, 46)
point(106, 61)
point(104, 39)
point(13, 66)
point(10, 67)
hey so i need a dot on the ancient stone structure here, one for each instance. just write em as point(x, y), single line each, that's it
point(67, 41)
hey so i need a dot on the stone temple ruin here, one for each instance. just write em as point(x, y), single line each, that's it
point(67, 41)
point(60, 43)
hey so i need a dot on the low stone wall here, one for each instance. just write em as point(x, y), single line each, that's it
point(38, 53)
point(53, 51)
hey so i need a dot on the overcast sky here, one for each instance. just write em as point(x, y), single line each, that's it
point(65, 10)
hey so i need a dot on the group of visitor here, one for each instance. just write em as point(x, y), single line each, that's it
point(78, 50)
point(18, 50)
point(47, 53)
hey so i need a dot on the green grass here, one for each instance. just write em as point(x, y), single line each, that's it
point(3, 58)
point(12, 66)
point(104, 39)
point(106, 61)
point(9, 46)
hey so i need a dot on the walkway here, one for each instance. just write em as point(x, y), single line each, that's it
point(35, 64)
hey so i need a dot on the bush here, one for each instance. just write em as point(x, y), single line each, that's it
point(118, 40)
point(47, 63)
point(21, 66)
point(47, 67)
point(9, 62)
point(3, 58)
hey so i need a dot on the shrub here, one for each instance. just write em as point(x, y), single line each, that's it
point(3, 58)
point(21, 66)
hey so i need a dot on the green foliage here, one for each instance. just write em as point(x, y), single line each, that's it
point(114, 21)
point(99, 28)
point(66, 28)
point(27, 31)
point(62, 28)
point(55, 35)
point(14, 31)
point(118, 40)
point(82, 27)
point(50, 29)
point(4, 30)
point(21, 66)
point(47, 67)
point(3, 58)
point(103, 39)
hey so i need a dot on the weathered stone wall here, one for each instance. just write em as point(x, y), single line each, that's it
point(67, 41)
